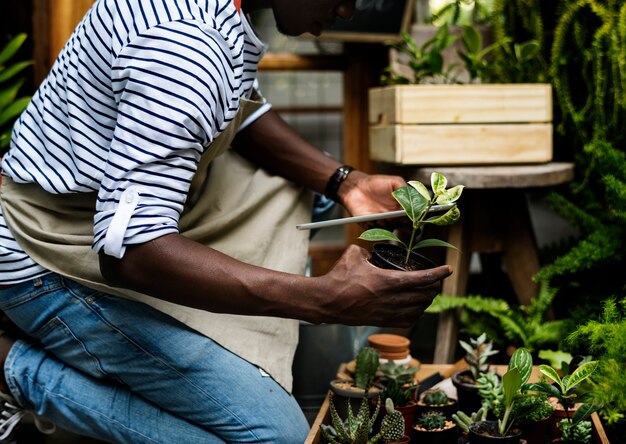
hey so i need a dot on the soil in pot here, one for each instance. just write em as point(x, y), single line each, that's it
point(391, 257)
point(447, 409)
point(486, 432)
point(446, 435)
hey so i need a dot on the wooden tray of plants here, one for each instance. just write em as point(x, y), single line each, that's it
point(425, 371)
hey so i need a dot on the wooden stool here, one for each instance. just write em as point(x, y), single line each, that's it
point(494, 219)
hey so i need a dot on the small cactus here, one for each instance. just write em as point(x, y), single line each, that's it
point(367, 363)
point(392, 425)
point(435, 397)
point(432, 420)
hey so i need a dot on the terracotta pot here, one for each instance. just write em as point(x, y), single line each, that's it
point(408, 412)
point(445, 436)
point(481, 433)
point(559, 414)
point(391, 257)
point(535, 432)
point(390, 346)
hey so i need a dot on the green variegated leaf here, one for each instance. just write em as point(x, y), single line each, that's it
point(451, 195)
point(433, 243)
point(450, 217)
point(523, 361)
point(583, 412)
point(552, 374)
point(411, 200)
point(379, 234)
point(580, 374)
point(421, 188)
point(438, 183)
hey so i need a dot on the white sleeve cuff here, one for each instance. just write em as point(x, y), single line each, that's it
point(113, 242)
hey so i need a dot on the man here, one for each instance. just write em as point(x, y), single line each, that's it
point(158, 271)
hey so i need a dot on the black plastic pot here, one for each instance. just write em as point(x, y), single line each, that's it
point(467, 395)
point(391, 257)
point(481, 433)
point(446, 409)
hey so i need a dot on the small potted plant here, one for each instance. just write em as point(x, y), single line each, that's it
point(417, 202)
point(574, 432)
point(478, 351)
point(437, 400)
point(433, 427)
point(503, 430)
point(355, 428)
point(358, 428)
point(351, 391)
point(565, 392)
point(400, 386)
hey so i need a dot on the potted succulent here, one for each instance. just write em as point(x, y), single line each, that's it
point(358, 428)
point(433, 427)
point(573, 431)
point(417, 202)
point(478, 351)
point(350, 391)
point(400, 386)
point(437, 400)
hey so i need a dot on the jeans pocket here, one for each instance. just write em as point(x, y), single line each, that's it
point(58, 339)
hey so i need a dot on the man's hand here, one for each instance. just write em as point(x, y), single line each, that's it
point(366, 194)
point(358, 293)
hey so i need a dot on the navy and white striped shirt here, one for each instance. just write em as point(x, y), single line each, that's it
point(140, 90)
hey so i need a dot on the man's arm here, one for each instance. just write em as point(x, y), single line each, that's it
point(271, 143)
point(353, 292)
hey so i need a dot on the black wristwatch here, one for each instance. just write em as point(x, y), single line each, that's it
point(335, 181)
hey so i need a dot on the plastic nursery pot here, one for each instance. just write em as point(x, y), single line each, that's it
point(486, 432)
point(391, 257)
point(443, 436)
point(466, 391)
point(390, 346)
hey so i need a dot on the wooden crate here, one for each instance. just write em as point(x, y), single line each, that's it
point(461, 124)
point(445, 370)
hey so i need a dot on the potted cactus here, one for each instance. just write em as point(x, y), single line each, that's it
point(393, 426)
point(400, 386)
point(478, 352)
point(433, 427)
point(437, 400)
point(350, 391)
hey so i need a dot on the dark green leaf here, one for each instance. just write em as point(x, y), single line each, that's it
point(583, 412)
point(433, 243)
point(378, 234)
point(13, 110)
point(411, 200)
point(472, 39)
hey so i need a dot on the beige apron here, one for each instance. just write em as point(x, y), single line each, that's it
point(233, 206)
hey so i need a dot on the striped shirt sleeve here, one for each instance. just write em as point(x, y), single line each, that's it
point(175, 90)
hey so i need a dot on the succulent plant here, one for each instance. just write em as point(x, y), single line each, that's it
point(432, 420)
point(392, 425)
point(435, 397)
point(401, 373)
point(400, 395)
point(355, 429)
point(367, 362)
point(478, 353)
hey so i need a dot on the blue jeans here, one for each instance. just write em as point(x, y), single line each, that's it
point(134, 374)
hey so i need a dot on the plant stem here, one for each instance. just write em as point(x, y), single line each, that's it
point(417, 225)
